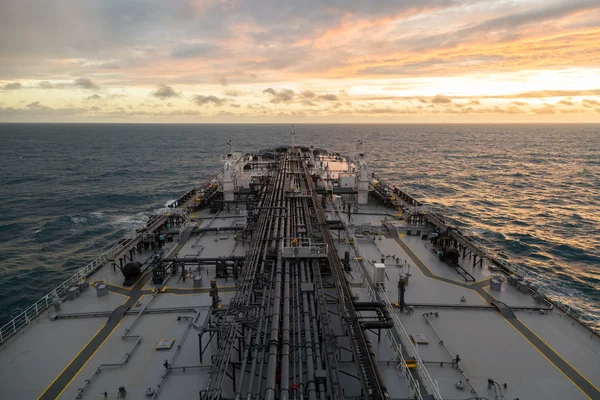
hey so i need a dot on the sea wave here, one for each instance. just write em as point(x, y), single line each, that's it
point(528, 192)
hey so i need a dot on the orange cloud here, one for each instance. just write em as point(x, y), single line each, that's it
point(581, 48)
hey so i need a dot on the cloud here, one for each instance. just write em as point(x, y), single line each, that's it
point(110, 65)
point(546, 109)
point(36, 109)
point(234, 93)
point(282, 96)
point(308, 96)
point(505, 28)
point(590, 103)
point(94, 97)
point(116, 96)
point(46, 85)
point(441, 99)
point(328, 97)
point(37, 106)
point(85, 83)
point(206, 100)
point(223, 81)
point(165, 92)
point(553, 93)
point(193, 50)
point(566, 102)
point(12, 86)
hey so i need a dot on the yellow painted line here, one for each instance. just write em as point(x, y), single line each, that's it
point(539, 351)
point(457, 283)
point(77, 355)
point(186, 294)
point(101, 344)
point(207, 287)
point(121, 287)
point(124, 295)
point(551, 363)
point(71, 362)
point(419, 269)
point(481, 281)
point(135, 283)
point(89, 359)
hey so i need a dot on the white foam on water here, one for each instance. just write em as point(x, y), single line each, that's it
point(130, 221)
point(98, 215)
point(78, 220)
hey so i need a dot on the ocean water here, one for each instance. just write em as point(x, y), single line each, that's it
point(67, 191)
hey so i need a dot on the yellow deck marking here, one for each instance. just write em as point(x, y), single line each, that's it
point(88, 360)
point(70, 362)
point(77, 355)
point(539, 351)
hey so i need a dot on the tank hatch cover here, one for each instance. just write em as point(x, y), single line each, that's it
point(419, 338)
point(165, 344)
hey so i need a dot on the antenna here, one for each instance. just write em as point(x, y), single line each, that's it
point(229, 144)
point(293, 133)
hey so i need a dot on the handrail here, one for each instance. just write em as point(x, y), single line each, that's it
point(23, 319)
point(412, 382)
point(12, 327)
point(428, 382)
point(588, 321)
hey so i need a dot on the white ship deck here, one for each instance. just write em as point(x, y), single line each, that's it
point(538, 354)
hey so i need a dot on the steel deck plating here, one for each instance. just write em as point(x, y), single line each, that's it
point(269, 290)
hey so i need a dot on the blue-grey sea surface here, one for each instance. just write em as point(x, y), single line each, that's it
point(68, 191)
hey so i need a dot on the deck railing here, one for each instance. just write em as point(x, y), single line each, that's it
point(365, 268)
point(589, 321)
point(23, 319)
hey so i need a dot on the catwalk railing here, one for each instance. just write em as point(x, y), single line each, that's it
point(402, 364)
point(364, 269)
point(24, 318)
point(590, 322)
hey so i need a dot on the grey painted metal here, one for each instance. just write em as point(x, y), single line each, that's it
point(83, 357)
point(307, 350)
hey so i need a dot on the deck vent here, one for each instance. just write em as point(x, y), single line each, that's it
point(101, 290)
point(379, 273)
point(496, 284)
point(72, 293)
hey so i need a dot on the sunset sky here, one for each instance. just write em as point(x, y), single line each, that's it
point(300, 61)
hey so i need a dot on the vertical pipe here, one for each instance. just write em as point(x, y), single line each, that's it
point(315, 329)
point(264, 304)
point(285, 343)
point(310, 364)
point(299, 324)
point(273, 349)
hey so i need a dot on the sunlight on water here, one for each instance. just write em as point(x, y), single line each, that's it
point(530, 191)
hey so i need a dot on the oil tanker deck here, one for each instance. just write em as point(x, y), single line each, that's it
point(296, 274)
